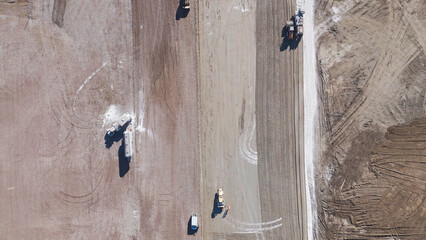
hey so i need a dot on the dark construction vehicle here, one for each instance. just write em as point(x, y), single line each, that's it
point(185, 4)
point(295, 26)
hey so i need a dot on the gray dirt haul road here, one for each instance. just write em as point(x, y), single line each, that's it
point(166, 86)
point(251, 121)
point(279, 116)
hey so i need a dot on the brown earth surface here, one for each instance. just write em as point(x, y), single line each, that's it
point(66, 71)
point(279, 119)
point(215, 95)
point(372, 171)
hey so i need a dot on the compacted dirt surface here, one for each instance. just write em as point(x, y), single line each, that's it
point(229, 156)
point(372, 168)
point(215, 96)
point(69, 69)
point(279, 109)
point(251, 121)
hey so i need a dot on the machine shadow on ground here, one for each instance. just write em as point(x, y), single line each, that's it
point(216, 209)
point(191, 231)
point(110, 140)
point(123, 162)
point(180, 11)
point(287, 43)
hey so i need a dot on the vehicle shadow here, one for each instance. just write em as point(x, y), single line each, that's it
point(180, 11)
point(123, 162)
point(287, 43)
point(191, 231)
point(216, 209)
point(110, 140)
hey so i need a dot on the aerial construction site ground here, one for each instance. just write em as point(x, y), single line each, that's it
point(218, 99)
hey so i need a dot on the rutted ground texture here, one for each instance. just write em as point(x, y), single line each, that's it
point(372, 173)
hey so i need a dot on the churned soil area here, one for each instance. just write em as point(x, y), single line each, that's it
point(371, 171)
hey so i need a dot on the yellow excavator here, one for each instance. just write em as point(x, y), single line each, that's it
point(220, 200)
point(185, 4)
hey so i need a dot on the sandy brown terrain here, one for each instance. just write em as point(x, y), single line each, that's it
point(250, 76)
point(228, 124)
point(67, 70)
point(215, 95)
point(279, 117)
point(166, 86)
point(372, 172)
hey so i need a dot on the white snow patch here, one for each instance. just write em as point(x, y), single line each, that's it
point(83, 85)
point(141, 121)
point(335, 10)
point(336, 18)
point(140, 129)
point(310, 112)
point(11, 188)
point(242, 8)
point(339, 11)
point(120, 64)
point(111, 115)
point(328, 173)
point(90, 77)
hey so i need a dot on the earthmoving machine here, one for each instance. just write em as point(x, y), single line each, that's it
point(128, 143)
point(295, 25)
point(185, 4)
point(220, 200)
point(119, 124)
point(194, 222)
point(290, 29)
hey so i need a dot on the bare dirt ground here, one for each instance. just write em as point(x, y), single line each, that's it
point(166, 85)
point(371, 175)
point(203, 104)
point(228, 140)
point(279, 117)
point(249, 77)
point(67, 70)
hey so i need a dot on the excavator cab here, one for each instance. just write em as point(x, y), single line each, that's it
point(290, 30)
point(185, 4)
point(220, 200)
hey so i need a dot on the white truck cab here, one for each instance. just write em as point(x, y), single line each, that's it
point(125, 118)
point(194, 222)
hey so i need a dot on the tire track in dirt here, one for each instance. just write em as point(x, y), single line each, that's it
point(279, 113)
point(165, 77)
point(371, 183)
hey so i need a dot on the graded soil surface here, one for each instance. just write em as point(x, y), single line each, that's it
point(228, 120)
point(372, 172)
point(279, 117)
point(215, 96)
point(68, 70)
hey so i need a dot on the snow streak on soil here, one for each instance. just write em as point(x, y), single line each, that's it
point(310, 110)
